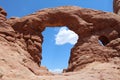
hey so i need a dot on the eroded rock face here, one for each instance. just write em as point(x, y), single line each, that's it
point(116, 6)
point(21, 40)
point(16, 52)
point(90, 25)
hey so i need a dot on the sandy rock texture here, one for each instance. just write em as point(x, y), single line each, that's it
point(116, 6)
point(15, 59)
point(90, 25)
point(21, 40)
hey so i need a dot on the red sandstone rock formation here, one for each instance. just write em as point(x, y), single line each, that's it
point(16, 49)
point(90, 25)
point(116, 6)
point(21, 40)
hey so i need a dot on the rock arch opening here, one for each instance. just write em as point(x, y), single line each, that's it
point(77, 19)
point(103, 40)
point(56, 48)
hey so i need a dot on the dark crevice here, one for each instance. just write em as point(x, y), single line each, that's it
point(104, 40)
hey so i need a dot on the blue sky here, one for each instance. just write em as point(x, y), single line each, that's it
point(55, 52)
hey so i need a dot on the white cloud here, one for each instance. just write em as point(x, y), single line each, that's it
point(56, 71)
point(65, 36)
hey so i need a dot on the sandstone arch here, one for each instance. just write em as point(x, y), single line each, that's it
point(88, 24)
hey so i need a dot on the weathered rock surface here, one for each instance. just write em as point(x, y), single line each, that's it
point(15, 59)
point(21, 40)
point(90, 25)
point(116, 6)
